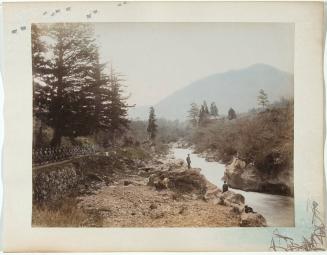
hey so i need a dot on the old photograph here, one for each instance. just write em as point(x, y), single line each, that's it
point(163, 124)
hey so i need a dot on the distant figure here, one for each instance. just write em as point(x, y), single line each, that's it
point(225, 187)
point(188, 160)
point(248, 209)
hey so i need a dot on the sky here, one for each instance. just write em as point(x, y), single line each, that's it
point(157, 59)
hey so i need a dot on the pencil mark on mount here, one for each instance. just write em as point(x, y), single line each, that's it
point(14, 31)
point(23, 28)
point(45, 13)
point(57, 10)
point(95, 11)
point(314, 242)
point(88, 16)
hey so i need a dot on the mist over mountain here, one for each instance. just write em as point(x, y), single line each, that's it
point(236, 88)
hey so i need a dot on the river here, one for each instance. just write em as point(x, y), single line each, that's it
point(277, 210)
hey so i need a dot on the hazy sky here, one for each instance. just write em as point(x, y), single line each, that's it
point(160, 58)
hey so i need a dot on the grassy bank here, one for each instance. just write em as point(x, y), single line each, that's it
point(65, 213)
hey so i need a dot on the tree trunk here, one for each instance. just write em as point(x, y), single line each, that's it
point(56, 139)
point(39, 137)
point(58, 100)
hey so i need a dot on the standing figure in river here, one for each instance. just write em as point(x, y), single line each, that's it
point(188, 160)
point(225, 187)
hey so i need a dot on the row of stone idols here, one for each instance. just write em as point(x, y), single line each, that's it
point(54, 154)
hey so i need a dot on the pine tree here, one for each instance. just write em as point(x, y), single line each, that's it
point(39, 67)
point(152, 125)
point(213, 110)
point(202, 115)
point(65, 79)
point(231, 114)
point(193, 114)
point(205, 107)
point(98, 95)
point(72, 92)
point(117, 109)
point(263, 99)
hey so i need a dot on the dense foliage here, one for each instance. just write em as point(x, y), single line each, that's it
point(264, 138)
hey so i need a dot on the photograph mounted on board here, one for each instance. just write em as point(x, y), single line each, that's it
point(163, 124)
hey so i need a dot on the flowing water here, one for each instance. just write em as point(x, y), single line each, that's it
point(278, 210)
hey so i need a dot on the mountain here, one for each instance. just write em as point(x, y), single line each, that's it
point(236, 88)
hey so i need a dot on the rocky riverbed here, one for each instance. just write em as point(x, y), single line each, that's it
point(157, 192)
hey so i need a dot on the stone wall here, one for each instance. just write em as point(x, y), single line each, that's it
point(54, 183)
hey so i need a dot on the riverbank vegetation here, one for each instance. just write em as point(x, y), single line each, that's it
point(262, 137)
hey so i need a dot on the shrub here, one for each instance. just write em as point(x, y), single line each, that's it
point(64, 214)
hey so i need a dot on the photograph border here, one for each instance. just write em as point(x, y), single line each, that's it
point(307, 18)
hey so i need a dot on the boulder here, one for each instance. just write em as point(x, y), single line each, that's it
point(126, 183)
point(143, 173)
point(182, 210)
point(152, 179)
point(153, 206)
point(188, 181)
point(182, 144)
point(180, 162)
point(247, 177)
point(212, 193)
point(252, 220)
point(237, 208)
point(210, 158)
point(231, 197)
point(238, 175)
point(157, 215)
point(159, 162)
point(173, 164)
point(93, 177)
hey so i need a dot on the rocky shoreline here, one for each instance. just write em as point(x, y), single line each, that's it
point(208, 192)
point(158, 192)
